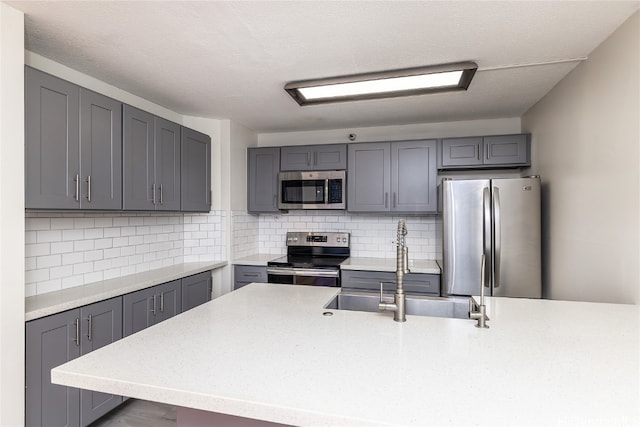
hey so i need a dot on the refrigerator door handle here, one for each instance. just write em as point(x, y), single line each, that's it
point(497, 236)
point(486, 221)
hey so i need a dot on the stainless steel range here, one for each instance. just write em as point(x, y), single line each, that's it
point(312, 259)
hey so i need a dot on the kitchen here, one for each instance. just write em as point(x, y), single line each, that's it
point(577, 264)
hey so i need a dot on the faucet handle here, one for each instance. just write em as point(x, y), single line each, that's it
point(381, 292)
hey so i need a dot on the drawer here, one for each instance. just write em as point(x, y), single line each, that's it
point(249, 273)
point(414, 283)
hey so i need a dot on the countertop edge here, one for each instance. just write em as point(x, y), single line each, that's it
point(38, 306)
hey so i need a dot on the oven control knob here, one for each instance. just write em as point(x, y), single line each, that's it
point(338, 239)
point(344, 240)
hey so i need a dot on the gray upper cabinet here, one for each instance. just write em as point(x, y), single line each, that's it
point(196, 290)
point(462, 151)
point(368, 181)
point(151, 161)
point(499, 151)
point(414, 176)
point(392, 177)
point(52, 144)
point(313, 157)
point(167, 165)
point(506, 149)
point(73, 146)
point(263, 166)
point(196, 171)
point(101, 151)
point(54, 340)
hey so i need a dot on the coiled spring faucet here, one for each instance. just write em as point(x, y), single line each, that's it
point(402, 267)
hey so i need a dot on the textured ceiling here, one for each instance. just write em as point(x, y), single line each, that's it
point(232, 59)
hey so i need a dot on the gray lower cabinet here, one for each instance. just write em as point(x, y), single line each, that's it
point(195, 179)
point(149, 306)
point(196, 290)
point(414, 283)
point(476, 152)
point(392, 177)
point(54, 340)
point(263, 166)
point(245, 274)
point(73, 146)
point(313, 157)
point(151, 161)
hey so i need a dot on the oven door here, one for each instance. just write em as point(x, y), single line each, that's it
point(303, 276)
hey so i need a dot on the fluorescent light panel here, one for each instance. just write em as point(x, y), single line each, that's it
point(386, 84)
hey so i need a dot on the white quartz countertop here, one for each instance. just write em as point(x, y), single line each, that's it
point(353, 263)
point(259, 260)
point(389, 264)
point(66, 299)
point(266, 351)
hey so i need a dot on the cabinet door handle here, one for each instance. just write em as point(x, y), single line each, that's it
point(153, 193)
point(160, 193)
point(394, 200)
point(153, 310)
point(162, 302)
point(251, 274)
point(77, 194)
point(308, 159)
point(77, 338)
point(315, 157)
point(89, 334)
point(89, 188)
point(386, 199)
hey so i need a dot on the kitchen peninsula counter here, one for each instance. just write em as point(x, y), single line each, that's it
point(268, 352)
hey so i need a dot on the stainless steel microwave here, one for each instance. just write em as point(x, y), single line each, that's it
point(312, 190)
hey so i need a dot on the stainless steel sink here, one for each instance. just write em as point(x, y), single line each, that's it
point(453, 307)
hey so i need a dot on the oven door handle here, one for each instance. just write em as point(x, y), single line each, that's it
point(280, 271)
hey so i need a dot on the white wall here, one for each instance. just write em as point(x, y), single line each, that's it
point(391, 133)
point(586, 148)
point(11, 216)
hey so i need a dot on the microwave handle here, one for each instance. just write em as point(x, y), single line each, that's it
point(326, 191)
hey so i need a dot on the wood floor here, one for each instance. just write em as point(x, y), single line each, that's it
point(139, 413)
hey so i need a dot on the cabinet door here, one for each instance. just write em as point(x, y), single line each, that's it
point(101, 325)
point(413, 176)
point(263, 165)
point(101, 151)
point(168, 300)
point(52, 161)
point(196, 290)
point(245, 274)
point(196, 171)
point(167, 164)
point(368, 177)
point(296, 158)
point(50, 342)
point(330, 157)
point(506, 149)
point(138, 311)
point(137, 159)
point(461, 151)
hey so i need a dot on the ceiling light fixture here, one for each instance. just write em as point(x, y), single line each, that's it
point(385, 84)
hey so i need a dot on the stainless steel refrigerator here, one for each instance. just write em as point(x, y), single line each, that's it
point(499, 218)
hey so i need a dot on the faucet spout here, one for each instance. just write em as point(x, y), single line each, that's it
point(398, 306)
